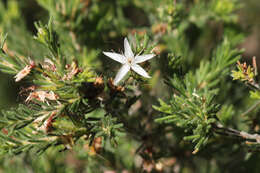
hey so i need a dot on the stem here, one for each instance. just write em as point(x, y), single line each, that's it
point(220, 129)
point(251, 108)
point(74, 41)
point(254, 85)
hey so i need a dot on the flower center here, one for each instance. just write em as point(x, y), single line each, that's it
point(130, 60)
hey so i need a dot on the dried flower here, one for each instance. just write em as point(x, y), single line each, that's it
point(42, 96)
point(129, 61)
point(47, 123)
point(73, 70)
point(49, 65)
point(24, 72)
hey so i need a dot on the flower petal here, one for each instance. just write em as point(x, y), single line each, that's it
point(116, 56)
point(128, 50)
point(143, 58)
point(138, 69)
point(121, 73)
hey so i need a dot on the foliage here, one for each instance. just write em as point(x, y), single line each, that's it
point(70, 114)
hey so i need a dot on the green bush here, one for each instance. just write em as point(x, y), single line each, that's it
point(191, 108)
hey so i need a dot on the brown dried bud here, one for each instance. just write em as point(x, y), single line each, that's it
point(49, 65)
point(5, 131)
point(159, 28)
point(99, 83)
point(138, 32)
point(158, 49)
point(73, 71)
point(114, 88)
point(24, 91)
point(96, 146)
point(67, 141)
point(49, 121)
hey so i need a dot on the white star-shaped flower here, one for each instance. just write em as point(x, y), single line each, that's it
point(129, 61)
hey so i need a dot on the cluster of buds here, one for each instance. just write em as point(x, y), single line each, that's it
point(138, 32)
point(148, 163)
point(72, 71)
point(24, 72)
point(159, 165)
point(160, 28)
point(158, 49)
point(47, 124)
point(49, 65)
point(99, 83)
point(246, 73)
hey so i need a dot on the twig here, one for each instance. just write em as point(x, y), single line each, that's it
point(220, 129)
point(74, 40)
point(251, 108)
point(253, 85)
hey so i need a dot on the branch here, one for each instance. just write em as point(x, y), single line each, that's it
point(251, 108)
point(253, 85)
point(220, 129)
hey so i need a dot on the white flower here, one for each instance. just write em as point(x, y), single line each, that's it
point(129, 61)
